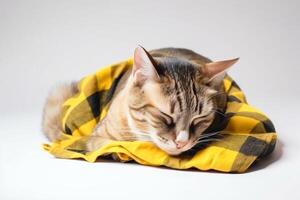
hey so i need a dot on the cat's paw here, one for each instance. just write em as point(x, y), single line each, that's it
point(96, 142)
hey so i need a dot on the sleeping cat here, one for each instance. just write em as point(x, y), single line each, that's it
point(169, 97)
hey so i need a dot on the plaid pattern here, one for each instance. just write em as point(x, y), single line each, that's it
point(246, 133)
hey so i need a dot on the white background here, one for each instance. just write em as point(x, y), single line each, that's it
point(46, 42)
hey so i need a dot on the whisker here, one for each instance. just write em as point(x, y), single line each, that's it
point(211, 140)
point(208, 140)
point(206, 135)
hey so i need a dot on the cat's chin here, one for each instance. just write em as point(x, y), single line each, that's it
point(171, 147)
point(174, 153)
point(168, 150)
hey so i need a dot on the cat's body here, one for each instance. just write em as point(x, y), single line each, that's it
point(169, 97)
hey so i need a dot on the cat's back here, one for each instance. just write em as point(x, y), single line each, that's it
point(180, 53)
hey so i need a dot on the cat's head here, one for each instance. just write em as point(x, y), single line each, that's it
point(172, 99)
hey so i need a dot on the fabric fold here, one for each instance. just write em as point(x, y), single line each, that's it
point(246, 134)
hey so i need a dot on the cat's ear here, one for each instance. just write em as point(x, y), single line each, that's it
point(215, 71)
point(143, 66)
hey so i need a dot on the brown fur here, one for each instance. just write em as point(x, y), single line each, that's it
point(168, 98)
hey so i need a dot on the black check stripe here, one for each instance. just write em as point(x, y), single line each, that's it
point(257, 140)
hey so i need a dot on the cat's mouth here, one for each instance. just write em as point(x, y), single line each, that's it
point(170, 146)
point(173, 150)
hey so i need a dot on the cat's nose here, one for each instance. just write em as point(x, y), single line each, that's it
point(182, 139)
point(180, 144)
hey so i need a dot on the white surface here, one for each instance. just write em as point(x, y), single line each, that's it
point(42, 43)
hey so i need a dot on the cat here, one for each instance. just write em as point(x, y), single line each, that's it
point(170, 96)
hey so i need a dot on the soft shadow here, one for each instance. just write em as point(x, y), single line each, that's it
point(266, 161)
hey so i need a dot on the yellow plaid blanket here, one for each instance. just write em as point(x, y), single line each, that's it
point(247, 134)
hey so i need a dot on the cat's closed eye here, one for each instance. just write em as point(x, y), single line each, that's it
point(162, 119)
point(168, 120)
point(198, 119)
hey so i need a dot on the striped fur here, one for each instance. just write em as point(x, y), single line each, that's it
point(182, 101)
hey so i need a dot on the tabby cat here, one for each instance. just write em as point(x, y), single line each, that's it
point(169, 97)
